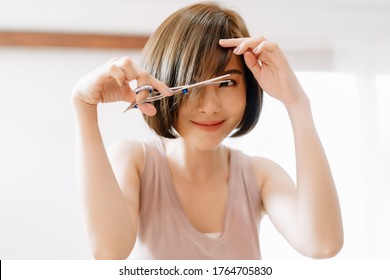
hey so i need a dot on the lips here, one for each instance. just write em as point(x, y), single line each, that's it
point(208, 126)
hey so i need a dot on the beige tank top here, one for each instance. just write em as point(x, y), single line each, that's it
point(165, 232)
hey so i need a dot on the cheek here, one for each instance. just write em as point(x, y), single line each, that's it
point(182, 115)
point(236, 102)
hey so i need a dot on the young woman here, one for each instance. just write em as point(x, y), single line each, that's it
point(184, 195)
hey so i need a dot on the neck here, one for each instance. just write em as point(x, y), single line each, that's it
point(196, 164)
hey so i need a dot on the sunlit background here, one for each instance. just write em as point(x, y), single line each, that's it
point(339, 49)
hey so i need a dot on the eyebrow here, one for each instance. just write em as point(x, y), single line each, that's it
point(233, 71)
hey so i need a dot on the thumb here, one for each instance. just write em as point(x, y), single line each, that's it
point(147, 109)
point(253, 64)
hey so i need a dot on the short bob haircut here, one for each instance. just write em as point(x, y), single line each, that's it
point(185, 49)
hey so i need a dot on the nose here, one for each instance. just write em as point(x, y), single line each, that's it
point(209, 102)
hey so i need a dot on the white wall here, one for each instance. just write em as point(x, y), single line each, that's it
point(40, 214)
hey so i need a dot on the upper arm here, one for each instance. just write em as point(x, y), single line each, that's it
point(127, 159)
point(278, 193)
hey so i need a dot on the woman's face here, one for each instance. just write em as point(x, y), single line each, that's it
point(206, 122)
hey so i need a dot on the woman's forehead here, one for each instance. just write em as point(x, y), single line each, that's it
point(235, 63)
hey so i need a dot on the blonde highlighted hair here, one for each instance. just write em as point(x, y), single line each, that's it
point(185, 49)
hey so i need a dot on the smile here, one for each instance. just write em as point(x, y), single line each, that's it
point(208, 126)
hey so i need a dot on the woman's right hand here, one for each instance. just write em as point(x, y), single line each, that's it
point(110, 83)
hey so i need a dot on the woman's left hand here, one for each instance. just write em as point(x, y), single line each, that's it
point(269, 66)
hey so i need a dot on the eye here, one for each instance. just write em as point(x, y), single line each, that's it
point(227, 83)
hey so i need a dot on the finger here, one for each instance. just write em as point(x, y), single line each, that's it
point(243, 44)
point(118, 74)
point(133, 72)
point(253, 64)
point(160, 86)
point(232, 42)
point(129, 94)
point(265, 46)
point(266, 51)
point(128, 67)
point(147, 109)
point(143, 79)
point(249, 44)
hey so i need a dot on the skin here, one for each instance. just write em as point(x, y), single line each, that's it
point(307, 214)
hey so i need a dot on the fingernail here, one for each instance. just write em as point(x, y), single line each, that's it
point(236, 50)
point(222, 40)
point(255, 49)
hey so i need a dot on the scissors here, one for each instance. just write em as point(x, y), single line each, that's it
point(179, 89)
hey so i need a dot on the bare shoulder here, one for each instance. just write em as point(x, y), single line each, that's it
point(126, 156)
point(275, 185)
point(266, 170)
